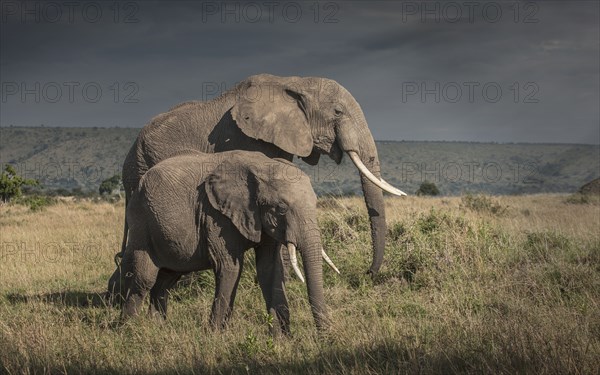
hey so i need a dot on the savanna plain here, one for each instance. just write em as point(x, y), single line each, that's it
point(471, 284)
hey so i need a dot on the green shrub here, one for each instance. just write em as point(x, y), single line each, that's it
point(436, 220)
point(396, 231)
point(414, 260)
point(438, 246)
point(483, 204)
point(347, 227)
point(334, 231)
point(429, 223)
point(357, 221)
point(428, 188)
point(36, 202)
point(110, 185)
point(11, 184)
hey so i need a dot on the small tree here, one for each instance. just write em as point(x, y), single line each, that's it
point(428, 188)
point(110, 184)
point(11, 183)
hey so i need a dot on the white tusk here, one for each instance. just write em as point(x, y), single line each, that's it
point(367, 173)
point(328, 261)
point(292, 250)
point(391, 187)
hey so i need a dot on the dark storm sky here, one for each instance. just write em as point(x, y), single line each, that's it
point(542, 56)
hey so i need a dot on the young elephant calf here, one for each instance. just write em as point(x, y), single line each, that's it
point(198, 211)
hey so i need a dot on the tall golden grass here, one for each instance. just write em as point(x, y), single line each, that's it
point(463, 289)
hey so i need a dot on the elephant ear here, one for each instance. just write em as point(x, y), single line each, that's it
point(275, 115)
point(234, 194)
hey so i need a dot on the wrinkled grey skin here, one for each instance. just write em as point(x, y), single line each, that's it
point(203, 211)
point(277, 116)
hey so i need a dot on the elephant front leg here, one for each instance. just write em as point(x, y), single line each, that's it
point(271, 278)
point(226, 280)
point(139, 274)
point(160, 292)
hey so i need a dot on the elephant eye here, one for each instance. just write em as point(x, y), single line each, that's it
point(337, 112)
point(282, 209)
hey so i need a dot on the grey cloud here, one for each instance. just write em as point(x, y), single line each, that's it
point(372, 51)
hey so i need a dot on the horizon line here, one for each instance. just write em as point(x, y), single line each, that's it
point(376, 140)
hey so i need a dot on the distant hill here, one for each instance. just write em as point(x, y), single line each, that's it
point(83, 157)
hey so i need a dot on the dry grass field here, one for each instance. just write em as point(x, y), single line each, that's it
point(470, 285)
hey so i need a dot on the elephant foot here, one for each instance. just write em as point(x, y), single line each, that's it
point(280, 334)
point(279, 326)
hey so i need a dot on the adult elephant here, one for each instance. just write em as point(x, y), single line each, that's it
point(279, 117)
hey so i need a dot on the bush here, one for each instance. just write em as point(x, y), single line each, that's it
point(396, 231)
point(428, 188)
point(412, 262)
point(439, 220)
point(422, 246)
point(36, 202)
point(11, 183)
point(110, 185)
point(62, 192)
point(357, 221)
point(483, 204)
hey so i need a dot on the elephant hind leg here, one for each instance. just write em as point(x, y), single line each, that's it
point(139, 274)
point(160, 292)
point(226, 280)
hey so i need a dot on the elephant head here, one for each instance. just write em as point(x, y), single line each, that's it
point(274, 198)
point(313, 116)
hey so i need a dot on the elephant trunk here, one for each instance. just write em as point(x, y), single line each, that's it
point(355, 138)
point(376, 208)
point(113, 295)
point(311, 251)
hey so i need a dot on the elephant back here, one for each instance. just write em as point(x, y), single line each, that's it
point(167, 198)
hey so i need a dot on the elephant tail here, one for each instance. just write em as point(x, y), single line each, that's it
point(125, 233)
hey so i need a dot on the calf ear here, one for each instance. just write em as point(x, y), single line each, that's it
point(276, 115)
point(232, 191)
